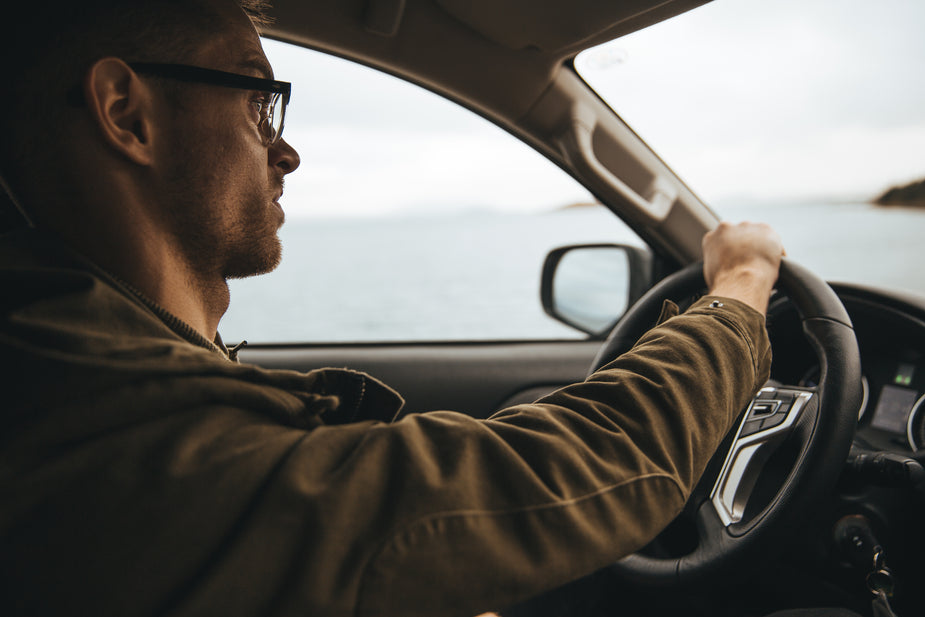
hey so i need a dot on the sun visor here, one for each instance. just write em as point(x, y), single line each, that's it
point(555, 25)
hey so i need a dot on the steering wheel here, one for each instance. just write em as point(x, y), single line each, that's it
point(743, 503)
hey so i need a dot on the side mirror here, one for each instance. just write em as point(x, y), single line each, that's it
point(590, 286)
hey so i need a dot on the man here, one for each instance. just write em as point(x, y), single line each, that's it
point(145, 473)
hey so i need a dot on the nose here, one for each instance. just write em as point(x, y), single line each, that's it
point(284, 156)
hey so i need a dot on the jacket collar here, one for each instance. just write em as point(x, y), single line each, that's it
point(61, 310)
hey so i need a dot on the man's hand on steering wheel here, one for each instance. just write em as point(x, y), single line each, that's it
point(742, 262)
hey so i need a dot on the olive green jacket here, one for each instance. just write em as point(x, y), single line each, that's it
point(144, 473)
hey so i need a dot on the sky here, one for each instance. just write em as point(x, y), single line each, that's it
point(371, 144)
point(817, 99)
point(747, 100)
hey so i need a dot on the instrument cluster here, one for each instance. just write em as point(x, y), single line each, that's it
point(891, 339)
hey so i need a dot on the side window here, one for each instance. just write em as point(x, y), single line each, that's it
point(410, 219)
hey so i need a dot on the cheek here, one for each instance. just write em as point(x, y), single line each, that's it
point(248, 188)
point(238, 166)
point(224, 155)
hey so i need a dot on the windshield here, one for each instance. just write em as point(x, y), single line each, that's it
point(801, 113)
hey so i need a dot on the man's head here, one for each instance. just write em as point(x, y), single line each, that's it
point(49, 50)
point(92, 140)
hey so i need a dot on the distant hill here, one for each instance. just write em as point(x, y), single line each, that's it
point(908, 195)
point(580, 204)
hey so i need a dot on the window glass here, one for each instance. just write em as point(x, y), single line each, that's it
point(410, 218)
point(800, 113)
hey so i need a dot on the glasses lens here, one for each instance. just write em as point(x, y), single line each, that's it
point(275, 115)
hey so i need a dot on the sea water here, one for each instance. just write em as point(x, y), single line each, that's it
point(476, 275)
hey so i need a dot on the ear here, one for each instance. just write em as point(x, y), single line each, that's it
point(122, 106)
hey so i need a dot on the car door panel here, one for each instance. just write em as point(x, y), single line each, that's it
point(473, 378)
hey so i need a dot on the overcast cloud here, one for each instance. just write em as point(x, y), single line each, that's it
point(821, 99)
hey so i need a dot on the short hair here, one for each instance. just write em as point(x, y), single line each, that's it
point(48, 48)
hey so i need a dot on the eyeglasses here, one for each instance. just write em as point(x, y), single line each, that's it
point(271, 113)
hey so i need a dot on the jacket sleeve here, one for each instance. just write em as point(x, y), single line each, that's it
point(441, 514)
point(194, 507)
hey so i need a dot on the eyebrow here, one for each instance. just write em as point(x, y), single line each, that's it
point(258, 64)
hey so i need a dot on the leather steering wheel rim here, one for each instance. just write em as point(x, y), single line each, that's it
point(823, 427)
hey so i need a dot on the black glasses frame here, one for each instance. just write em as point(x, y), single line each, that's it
point(200, 75)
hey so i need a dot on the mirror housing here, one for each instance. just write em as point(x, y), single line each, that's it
point(590, 286)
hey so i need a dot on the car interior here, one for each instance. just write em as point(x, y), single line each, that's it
point(511, 62)
point(806, 504)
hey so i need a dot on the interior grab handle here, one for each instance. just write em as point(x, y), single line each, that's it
point(579, 147)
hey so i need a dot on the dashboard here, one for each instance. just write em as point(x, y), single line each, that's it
point(890, 329)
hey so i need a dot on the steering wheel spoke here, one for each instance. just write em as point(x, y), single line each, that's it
point(770, 418)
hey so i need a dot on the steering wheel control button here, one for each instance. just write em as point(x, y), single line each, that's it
point(767, 413)
point(770, 417)
point(773, 421)
point(750, 428)
point(764, 409)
